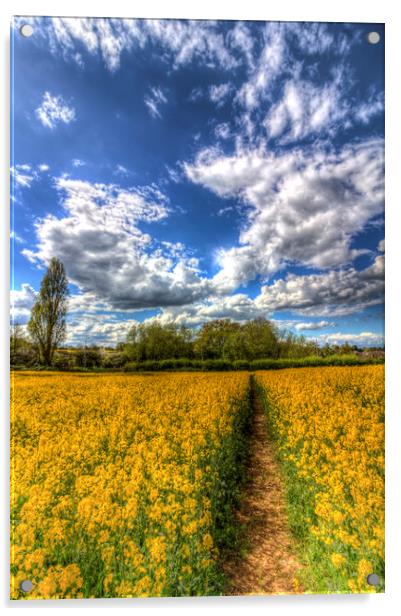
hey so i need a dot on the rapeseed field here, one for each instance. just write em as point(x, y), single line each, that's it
point(328, 428)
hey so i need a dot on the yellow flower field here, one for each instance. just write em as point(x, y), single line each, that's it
point(328, 425)
point(123, 485)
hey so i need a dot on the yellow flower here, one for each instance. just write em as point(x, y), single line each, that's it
point(338, 560)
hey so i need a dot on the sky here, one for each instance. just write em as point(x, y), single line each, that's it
point(185, 171)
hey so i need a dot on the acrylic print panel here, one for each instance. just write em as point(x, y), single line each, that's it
point(197, 308)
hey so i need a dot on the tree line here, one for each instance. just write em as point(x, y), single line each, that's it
point(221, 340)
point(218, 339)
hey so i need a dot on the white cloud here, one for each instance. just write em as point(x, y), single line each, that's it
point(219, 93)
point(364, 339)
point(21, 302)
point(182, 41)
point(305, 109)
point(372, 107)
point(174, 175)
point(380, 246)
point(54, 110)
point(196, 94)
point(100, 329)
point(154, 100)
point(271, 62)
point(17, 238)
point(121, 171)
point(241, 38)
point(306, 205)
point(107, 255)
point(222, 131)
point(22, 175)
point(334, 293)
point(77, 162)
point(313, 325)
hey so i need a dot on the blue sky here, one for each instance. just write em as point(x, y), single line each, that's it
point(191, 170)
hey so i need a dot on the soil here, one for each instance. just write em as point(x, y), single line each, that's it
point(268, 562)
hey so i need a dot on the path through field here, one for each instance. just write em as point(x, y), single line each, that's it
point(269, 564)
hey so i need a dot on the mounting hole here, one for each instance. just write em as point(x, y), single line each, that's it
point(26, 30)
point(373, 579)
point(26, 586)
point(373, 37)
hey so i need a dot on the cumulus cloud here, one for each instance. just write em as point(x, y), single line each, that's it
point(364, 339)
point(21, 302)
point(306, 205)
point(313, 325)
point(53, 110)
point(334, 293)
point(100, 329)
point(105, 253)
point(154, 100)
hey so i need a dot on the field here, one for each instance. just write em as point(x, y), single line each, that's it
point(125, 485)
point(329, 434)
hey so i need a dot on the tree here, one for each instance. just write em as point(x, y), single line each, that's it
point(261, 338)
point(216, 339)
point(47, 325)
point(16, 338)
point(158, 341)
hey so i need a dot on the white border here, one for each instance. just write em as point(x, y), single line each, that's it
point(290, 10)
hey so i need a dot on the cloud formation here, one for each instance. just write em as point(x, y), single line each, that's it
point(54, 110)
point(106, 254)
point(307, 205)
point(21, 302)
point(337, 292)
point(154, 100)
point(364, 339)
point(183, 41)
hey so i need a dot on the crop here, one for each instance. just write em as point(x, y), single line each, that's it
point(123, 485)
point(328, 426)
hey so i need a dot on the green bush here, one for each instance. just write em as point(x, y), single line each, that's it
point(217, 364)
point(131, 366)
point(185, 364)
point(240, 364)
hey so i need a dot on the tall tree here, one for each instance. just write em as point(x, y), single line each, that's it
point(47, 325)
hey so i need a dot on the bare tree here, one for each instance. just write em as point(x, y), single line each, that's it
point(47, 325)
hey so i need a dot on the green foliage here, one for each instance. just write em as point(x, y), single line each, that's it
point(88, 358)
point(154, 341)
point(258, 364)
point(47, 325)
point(22, 351)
